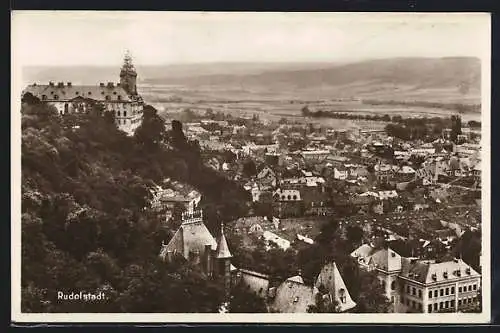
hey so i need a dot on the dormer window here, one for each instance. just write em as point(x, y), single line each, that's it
point(119, 97)
point(108, 97)
point(342, 295)
point(445, 275)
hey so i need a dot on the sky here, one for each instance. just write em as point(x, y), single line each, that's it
point(155, 38)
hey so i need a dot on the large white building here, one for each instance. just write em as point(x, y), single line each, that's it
point(423, 286)
point(121, 98)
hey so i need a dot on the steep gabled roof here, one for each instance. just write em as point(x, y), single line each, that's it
point(332, 281)
point(189, 237)
point(222, 247)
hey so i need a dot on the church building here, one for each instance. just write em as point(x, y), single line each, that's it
point(120, 98)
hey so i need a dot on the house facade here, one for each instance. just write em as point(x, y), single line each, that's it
point(422, 286)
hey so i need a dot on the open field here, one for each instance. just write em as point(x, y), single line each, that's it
point(273, 106)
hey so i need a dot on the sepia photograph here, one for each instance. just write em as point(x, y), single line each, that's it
point(250, 167)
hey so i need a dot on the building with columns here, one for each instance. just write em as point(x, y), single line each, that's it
point(422, 286)
point(120, 98)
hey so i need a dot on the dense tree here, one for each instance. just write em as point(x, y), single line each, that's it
point(243, 300)
point(152, 131)
point(86, 223)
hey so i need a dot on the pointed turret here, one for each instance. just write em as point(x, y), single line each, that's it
point(222, 247)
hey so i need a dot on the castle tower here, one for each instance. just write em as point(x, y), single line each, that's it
point(223, 257)
point(128, 75)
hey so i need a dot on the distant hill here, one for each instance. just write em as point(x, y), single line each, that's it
point(453, 79)
point(461, 74)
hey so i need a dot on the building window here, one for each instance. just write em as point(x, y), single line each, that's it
point(108, 97)
point(56, 97)
point(441, 305)
point(119, 97)
point(420, 307)
point(446, 304)
point(470, 287)
point(342, 295)
point(474, 287)
point(452, 303)
point(393, 285)
point(419, 293)
point(459, 302)
point(447, 291)
point(452, 290)
point(459, 289)
point(430, 293)
point(413, 305)
point(441, 292)
point(435, 306)
point(429, 308)
point(436, 293)
point(413, 291)
point(392, 299)
point(118, 113)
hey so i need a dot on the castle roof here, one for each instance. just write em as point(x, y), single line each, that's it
point(62, 92)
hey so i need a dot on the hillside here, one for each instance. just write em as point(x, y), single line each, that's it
point(85, 221)
point(414, 78)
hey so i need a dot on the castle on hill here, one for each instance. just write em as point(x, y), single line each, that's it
point(122, 99)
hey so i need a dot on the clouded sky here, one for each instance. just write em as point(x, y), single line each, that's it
point(101, 38)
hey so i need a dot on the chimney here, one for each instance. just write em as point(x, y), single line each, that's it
point(60, 84)
point(101, 84)
point(51, 83)
point(69, 84)
point(110, 85)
